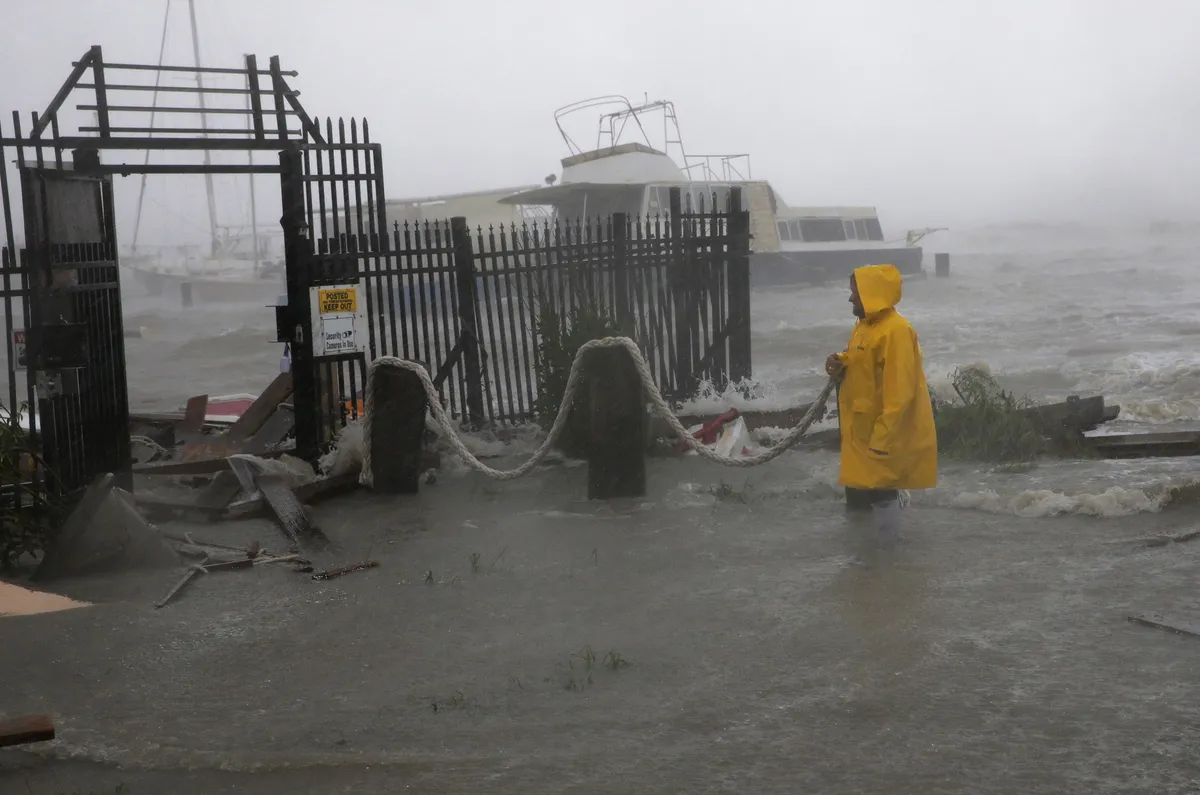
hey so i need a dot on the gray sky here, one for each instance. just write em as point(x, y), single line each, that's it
point(939, 112)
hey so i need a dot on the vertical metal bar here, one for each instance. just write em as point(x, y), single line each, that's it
point(364, 271)
point(464, 272)
point(8, 264)
point(679, 296)
point(739, 287)
point(57, 143)
point(102, 90)
point(117, 330)
point(443, 302)
point(523, 279)
point(296, 256)
point(256, 109)
point(427, 256)
point(278, 87)
point(400, 260)
point(254, 104)
point(380, 222)
point(506, 276)
point(495, 401)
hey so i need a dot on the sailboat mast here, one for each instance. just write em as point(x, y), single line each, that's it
point(208, 180)
point(162, 48)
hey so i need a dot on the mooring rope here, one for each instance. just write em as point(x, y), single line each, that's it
point(446, 424)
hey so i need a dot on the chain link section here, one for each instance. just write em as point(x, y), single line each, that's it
point(446, 424)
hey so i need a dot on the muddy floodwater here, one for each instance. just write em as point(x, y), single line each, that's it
point(716, 636)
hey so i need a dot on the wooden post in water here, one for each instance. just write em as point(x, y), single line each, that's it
point(185, 294)
point(464, 282)
point(398, 405)
point(617, 453)
point(941, 266)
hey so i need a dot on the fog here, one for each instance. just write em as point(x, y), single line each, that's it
point(936, 112)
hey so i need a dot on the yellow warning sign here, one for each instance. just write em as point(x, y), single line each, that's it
point(338, 299)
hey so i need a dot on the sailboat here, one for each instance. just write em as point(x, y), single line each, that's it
point(242, 264)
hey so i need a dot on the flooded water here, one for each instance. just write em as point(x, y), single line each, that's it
point(713, 637)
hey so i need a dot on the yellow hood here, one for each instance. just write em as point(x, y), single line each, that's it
point(878, 287)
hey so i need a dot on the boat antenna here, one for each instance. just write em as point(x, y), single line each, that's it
point(162, 48)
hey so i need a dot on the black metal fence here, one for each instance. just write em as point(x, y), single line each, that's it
point(468, 304)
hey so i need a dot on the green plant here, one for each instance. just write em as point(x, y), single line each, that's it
point(558, 342)
point(474, 562)
point(987, 423)
point(24, 502)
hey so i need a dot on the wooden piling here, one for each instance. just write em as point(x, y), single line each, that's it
point(941, 265)
point(398, 406)
point(617, 453)
point(185, 294)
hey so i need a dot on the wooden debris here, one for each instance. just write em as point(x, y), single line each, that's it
point(329, 574)
point(287, 510)
point(26, 729)
point(1159, 621)
point(253, 419)
point(191, 572)
point(1146, 445)
point(306, 494)
point(216, 459)
point(194, 414)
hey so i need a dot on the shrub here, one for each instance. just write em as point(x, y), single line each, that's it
point(987, 423)
point(558, 341)
point(22, 531)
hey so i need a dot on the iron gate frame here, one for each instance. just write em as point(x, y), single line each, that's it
point(48, 148)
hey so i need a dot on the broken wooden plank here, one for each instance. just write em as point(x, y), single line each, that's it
point(273, 432)
point(191, 572)
point(26, 729)
point(261, 409)
point(1171, 624)
point(287, 509)
point(218, 462)
point(217, 494)
point(1172, 444)
point(194, 414)
point(308, 493)
point(329, 574)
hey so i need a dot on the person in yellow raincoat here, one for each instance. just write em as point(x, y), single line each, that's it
point(889, 442)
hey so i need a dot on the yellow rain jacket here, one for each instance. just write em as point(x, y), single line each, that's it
point(888, 437)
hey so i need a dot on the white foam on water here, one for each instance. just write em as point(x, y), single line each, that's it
point(346, 455)
point(1035, 503)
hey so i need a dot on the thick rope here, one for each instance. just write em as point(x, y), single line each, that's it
point(443, 421)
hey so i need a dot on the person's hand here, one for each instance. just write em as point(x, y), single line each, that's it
point(834, 367)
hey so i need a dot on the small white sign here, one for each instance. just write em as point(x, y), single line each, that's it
point(17, 349)
point(338, 334)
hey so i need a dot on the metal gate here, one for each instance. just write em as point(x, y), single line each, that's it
point(335, 237)
point(60, 286)
point(75, 336)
